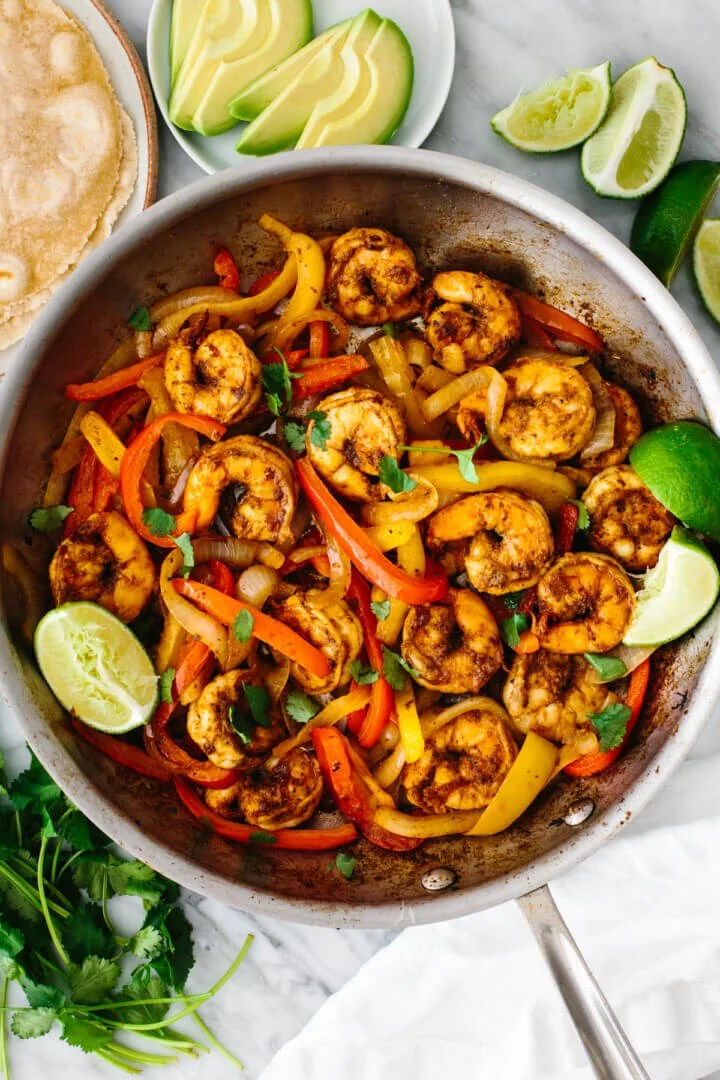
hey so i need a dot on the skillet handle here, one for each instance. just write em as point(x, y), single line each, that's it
point(607, 1045)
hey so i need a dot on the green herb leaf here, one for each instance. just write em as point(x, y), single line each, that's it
point(146, 943)
point(175, 961)
point(184, 542)
point(243, 625)
point(46, 519)
point(143, 986)
point(87, 1035)
point(277, 384)
point(395, 669)
point(12, 940)
point(389, 329)
point(258, 701)
point(607, 667)
point(140, 319)
point(241, 724)
point(259, 836)
point(380, 609)
point(33, 788)
point(466, 466)
point(76, 831)
point(294, 435)
point(85, 933)
point(345, 864)
point(40, 996)
point(512, 628)
point(362, 674)
point(166, 683)
point(321, 429)
point(611, 724)
point(583, 522)
point(32, 1023)
point(512, 600)
point(158, 521)
point(92, 981)
point(393, 477)
point(300, 707)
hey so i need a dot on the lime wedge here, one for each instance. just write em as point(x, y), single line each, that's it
point(667, 219)
point(637, 143)
point(680, 463)
point(96, 667)
point(559, 114)
point(706, 264)
point(677, 593)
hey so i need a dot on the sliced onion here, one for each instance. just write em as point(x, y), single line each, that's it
point(417, 351)
point(338, 709)
point(450, 824)
point(143, 344)
point(434, 719)
point(270, 556)
point(449, 395)
point(228, 549)
point(340, 571)
point(285, 333)
point(495, 406)
point(390, 768)
point(197, 623)
point(632, 656)
point(406, 506)
point(526, 352)
point(603, 436)
point(257, 584)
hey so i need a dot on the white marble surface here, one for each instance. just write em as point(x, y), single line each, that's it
point(501, 48)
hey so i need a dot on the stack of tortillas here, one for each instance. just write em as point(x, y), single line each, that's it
point(69, 158)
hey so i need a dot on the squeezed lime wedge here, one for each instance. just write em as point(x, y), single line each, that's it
point(706, 264)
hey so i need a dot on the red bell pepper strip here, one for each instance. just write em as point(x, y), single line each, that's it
point(557, 323)
point(355, 720)
point(325, 376)
point(81, 492)
point(222, 577)
point(161, 746)
point(380, 712)
point(271, 631)
point(351, 795)
point(132, 757)
point(289, 839)
point(120, 380)
point(261, 283)
point(226, 269)
point(535, 335)
point(590, 764)
point(361, 551)
point(566, 528)
point(381, 706)
point(135, 460)
point(319, 339)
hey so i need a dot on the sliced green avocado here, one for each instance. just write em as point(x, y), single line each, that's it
point(281, 124)
point(260, 93)
point(374, 105)
point(185, 16)
point(234, 42)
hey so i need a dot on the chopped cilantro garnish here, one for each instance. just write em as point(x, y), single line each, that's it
point(300, 707)
point(185, 544)
point(389, 329)
point(393, 477)
point(380, 609)
point(140, 319)
point(277, 384)
point(166, 682)
point(363, 675)
point(258, 701)
point(294, 435)
point(259, 836)
point(512, 628)
point(345, 864)
point(583, 521)
point(611, 724)
point(45, 519)
point(396, 669)
point(466, 466)
point(243, 625)
point(241, 724)
point(607, 667)
point(158, 521)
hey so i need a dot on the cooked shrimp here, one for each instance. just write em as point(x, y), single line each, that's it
point(251, 481)
point(332, 628)
point(104, 560)
point(548, 412)
point(553, 695)
point(372, 278)
point(277, 799)
point(364, 427)
point(464, 762)
point(479, 316)
point(628, 429)
point(218, 376)
point(454, 646)
point(585, 603)
point(627, 521)
point(509, 542)
point(471, 415)
point(210, 724)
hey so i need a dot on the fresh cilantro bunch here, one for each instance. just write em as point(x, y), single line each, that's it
point(58, 943)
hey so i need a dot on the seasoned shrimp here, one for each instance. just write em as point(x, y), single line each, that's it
point(628, 429)
point(332, 628)
point(553, 695)
point(219, 376)
point(627, 521)
point(216, 716)
point(508, 539)
point(464, 762)
point(585, 602)
point(364, 427)
point(273, 799)
point(372, 278)
point(548, 412)
point(251, 481)
point(479, 316)
point(104, 560)
point(454, 646)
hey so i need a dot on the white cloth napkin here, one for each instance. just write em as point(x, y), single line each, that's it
point(473, 998)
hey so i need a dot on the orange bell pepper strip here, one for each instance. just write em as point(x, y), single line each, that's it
point(226, 269)
point(193, 661)
point(319, 339)
point(120, 380)
point(289, 839)
point(352, 796)
point(590, 764)
point(266, 629)
point(135, 460)
point(132, 757)
point(362, 552)
point(381, 708)
point(324, 376)
point(558, 324)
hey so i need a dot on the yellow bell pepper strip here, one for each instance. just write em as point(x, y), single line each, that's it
point(531, 770)
point(425, 826)
point(338, 709)
point(107, 446)
point(310, 263)
point(391, 536)
point(391, 361)
point(411, 558)
point(550, 487)
point(411, 735)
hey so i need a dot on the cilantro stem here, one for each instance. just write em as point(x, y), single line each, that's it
point(65, 959)
point(4, 1070)
point(47, 963)
point(53, 866)
point(233, 967)
point(106, 920)
point(197, 999)
point(68, 863)
point(28, 864)
point(168, 1021)
point(23, 887)
point(214, 1041)
point(183, 1044)
point(18, 828)
point(106, 1055)
point(139, 1056)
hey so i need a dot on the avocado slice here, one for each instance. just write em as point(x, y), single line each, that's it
point(370, 108)
point(281, 124)
point(185, 16)
point(263, 91)
point(234, 42)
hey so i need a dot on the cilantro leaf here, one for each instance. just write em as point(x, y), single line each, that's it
point(396, 669)
point(380, 609)
point(277, 384)
point(243, 625)
point(607, 667)
point(389, 329)
point(259, 836)
point(158, 521)
point(464, 458)
point(300, 707)
point(611, 724)
point(92, 980)
point(140, 319)
point(87, 1035)
point(46, 519)
point(393, 477)
point(583, 521)
point(146, 943)
point(33, 787)
point(12, 940)
point(362, 674)
point(241, 724)
point(76, 831)
point(258, 701)
point(512, 628)
point(320, 432)
point(85, 933)
point(40, 996)
point(295, 435)
point(133, 878)
point(32, 1023)
point(274, 403)
point(143, 986)
point(512, 600)
point(174, 962)
point(185, 544)
point(166, 684)
point(345, 864)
